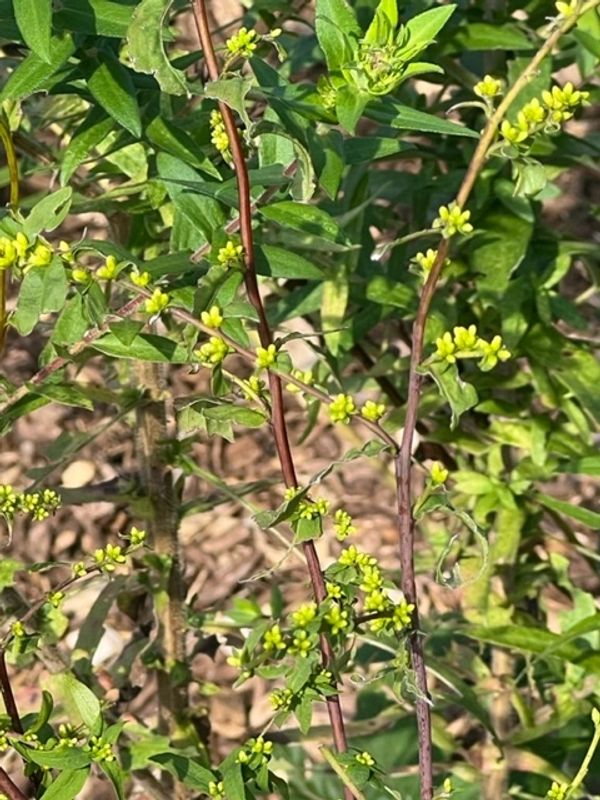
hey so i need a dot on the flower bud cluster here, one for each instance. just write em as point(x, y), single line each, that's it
point(37, 504)
point(465, 343)
point(218, 134)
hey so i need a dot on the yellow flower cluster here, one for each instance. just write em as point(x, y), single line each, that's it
point(212, 352)
point(342, 408)
point(464, 343)
point(451, 220)
point(243, 43)
point(218, 134)
point(555, 107)
point(22, 253)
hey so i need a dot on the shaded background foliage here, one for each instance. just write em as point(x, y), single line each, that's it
point(511, 639)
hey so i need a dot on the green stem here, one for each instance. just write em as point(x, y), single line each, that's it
point(585, 764)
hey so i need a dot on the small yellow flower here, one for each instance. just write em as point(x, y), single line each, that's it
point(342, 408)
point(266, 356)
point(21, 243)
point(41, 256)
point(567, 9)
point(343, 524)
point(18, 629)
point(426, 260)
point(273, 639)
point(65, 252)
point(230, 255)
point(304, 615)
point(218, 133)
point(445, 348)
point(109, 271)
point(364, 758)
point(438, 473)
point(243, 43)
point(488, 87)
point(513, 134)
point(81, 275)
point(8, 253)
point(138, 278)
point(157, 303)
point(373, 411)
point(304, 376)
point(452, 220)
point(212, 352)
point(557, 792)
point(492, 352)
point(402, 615)
point(465, 338)
point(212, 318)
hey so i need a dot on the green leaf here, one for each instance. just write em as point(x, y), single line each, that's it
point(589, 518)
point(67, 785)
point(233, 782)
point(43, 290)
point(248, 417)
point(385, 292)
point(349, 105)
point(65, 394)
point(232, 92)
point(280, 263)
point(304, 218)
point(112, 87)
point(528, 639)
point(303, 711)
point(461, 396)
point(8, 567)
point(33, 72)
point(96, 17)
point(184, 768)
point(423, 28)
point(383, 26)
point(588, 465)
point(34, 18)
point(171, 138)
point(485, 36)
point(471, 482)
point(499, 250)
point(303, 670)
point(389, 112)
point(126, 330)
point(79, 702)
point(116, 777)
point(68, 759)
point(333, 307)
point(92, 131)
point(146, 46)
point(335, 22)
point(145, 347)
point(48, 213)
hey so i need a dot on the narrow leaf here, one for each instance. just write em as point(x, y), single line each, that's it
point(34, 18)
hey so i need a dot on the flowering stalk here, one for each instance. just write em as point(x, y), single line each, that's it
point(403, 461)
point(278, 423)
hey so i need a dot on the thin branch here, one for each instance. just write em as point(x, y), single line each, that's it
point(10, 789)
point(403, 460)
point(275, 385)
point(8, 696)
